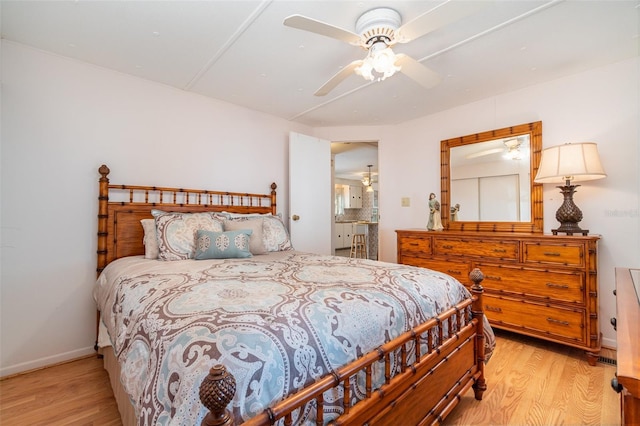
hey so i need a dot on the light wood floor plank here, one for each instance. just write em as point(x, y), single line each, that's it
point(533, 382)
point(530, 382)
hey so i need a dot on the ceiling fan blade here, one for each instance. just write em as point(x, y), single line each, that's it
point(439, 16)
point(338, 78)
point(416, 71)
point(307, 24)
point(485, 152)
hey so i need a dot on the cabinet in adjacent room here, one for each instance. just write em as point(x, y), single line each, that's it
point(544, 286)
point(344, 231)
point(349, 196)
point(355, 197)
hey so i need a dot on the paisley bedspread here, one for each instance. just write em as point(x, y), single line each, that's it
point(277, 321)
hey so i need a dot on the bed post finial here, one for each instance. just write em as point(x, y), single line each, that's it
point(477, 312)
point(104, 171)
point(216, 391)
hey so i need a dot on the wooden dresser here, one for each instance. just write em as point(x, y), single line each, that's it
point(628, 351)
point(544, 286)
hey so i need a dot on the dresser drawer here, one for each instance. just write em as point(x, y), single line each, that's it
point(552, 285)
point(506, 250)
point(458, 270)
point(547, 321)
point(559, 254)
point(414, 246)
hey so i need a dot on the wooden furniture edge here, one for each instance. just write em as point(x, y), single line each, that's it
point(628, 352)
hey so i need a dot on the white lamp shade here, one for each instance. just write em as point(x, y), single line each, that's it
point(572, 161)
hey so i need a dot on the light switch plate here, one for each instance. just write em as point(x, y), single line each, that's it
point(405, 201)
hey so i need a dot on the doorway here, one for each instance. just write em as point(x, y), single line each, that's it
point(355, 195)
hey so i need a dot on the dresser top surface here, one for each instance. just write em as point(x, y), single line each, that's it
point(502, 235)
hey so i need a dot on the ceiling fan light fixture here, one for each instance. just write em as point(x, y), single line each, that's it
point(365, 69)
point(380, 59)
point(513, 149)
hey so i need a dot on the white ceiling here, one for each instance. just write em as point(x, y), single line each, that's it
point(240, 51)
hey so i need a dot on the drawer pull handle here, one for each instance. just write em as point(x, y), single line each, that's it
point(556, 321)
point(449, 271)
point(562, 286)
point(500, 250)
point(447, 247)
point(492, 277)
point(552, 253)
point(414, 244)
point(493, 309)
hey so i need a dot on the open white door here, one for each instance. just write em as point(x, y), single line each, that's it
point(310, 193)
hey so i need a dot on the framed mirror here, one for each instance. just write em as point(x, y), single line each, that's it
point(487, 180)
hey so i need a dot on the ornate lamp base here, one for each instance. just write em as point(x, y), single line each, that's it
point(569, 215)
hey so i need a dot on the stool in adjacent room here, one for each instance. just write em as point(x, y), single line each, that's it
point(358, 246)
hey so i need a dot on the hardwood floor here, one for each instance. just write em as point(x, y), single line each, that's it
point(533, 382)
point(75, 393)
point(530, 382)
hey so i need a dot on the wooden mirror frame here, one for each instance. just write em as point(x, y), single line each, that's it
point(534, 130)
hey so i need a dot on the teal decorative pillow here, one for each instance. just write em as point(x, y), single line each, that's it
point(222, 245)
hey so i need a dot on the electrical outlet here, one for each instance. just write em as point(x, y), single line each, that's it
point(405, 201)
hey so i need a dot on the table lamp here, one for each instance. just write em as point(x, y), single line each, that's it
point(568, 163)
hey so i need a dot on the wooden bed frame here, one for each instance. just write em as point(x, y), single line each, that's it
point(426, 389)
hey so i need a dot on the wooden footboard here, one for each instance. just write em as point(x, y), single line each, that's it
point(425, 391)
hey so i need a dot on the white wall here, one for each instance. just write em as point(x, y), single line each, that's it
point(61, 120)
point(602, 105)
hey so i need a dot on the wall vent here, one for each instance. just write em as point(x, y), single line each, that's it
point(605, 360)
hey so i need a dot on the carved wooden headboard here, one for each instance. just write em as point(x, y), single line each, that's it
point(121, 207)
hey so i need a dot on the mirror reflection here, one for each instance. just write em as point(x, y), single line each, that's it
point(490, 180)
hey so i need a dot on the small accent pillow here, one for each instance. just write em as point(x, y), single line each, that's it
point(177, 232)
point(276, 237)
point(150, 239)
point(255, 224)
point(222, 245)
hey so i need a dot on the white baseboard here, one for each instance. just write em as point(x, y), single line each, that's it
point(609, 343)
point(45, 362)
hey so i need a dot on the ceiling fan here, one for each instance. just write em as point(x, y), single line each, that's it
point(513, 149)
point(379, 29)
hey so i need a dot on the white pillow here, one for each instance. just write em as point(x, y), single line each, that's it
point(253, 223)
point(150, 239)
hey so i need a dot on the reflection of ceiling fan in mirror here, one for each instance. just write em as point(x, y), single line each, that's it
point(512, 148)
point(379, 29)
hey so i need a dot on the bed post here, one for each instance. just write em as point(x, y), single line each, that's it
point(273, 199)
point(478, 314)
point(103, 200)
